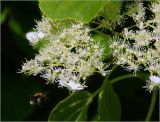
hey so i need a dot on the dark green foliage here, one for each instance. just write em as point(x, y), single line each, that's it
point(73, 108)
point(109, 104)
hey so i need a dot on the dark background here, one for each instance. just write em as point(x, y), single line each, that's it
point(17, 89)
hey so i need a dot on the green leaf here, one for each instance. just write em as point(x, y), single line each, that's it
point(3, 15)
point(109, 104)
point(73, 108)
point(15, 27)
point(95, 117)
point(111, 10)
point(103, 39)
point(80, 10)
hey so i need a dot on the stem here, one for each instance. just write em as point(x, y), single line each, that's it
point(122, 77)
point(95, 93)
point(151, 107)
point(112, 70)
point(109, 28)
point(97, 31)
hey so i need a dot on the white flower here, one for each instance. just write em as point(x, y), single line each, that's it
point(135, 48)
point(69, 57)
point(153, 83)
point(155, 79)
point(72, 85)
point(34, 36)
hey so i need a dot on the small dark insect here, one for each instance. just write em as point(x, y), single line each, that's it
point(38, 98)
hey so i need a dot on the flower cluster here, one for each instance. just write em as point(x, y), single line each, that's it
point(68, 58)
point(141, 47)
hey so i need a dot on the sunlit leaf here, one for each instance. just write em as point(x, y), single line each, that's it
point(111, 10)
point(80, 10)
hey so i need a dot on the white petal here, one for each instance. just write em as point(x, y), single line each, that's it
point(33, 36)
point(31, 102)
point(72, 85)
point(40, 34)
point(155, 79)
point(75, 86)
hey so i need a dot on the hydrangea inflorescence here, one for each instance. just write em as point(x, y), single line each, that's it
point(69, 56)
point(141, 47)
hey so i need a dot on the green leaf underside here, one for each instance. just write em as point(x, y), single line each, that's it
point(72, 108)
point(82, 11)
point(109, 104)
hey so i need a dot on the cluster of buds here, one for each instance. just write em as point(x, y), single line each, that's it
point(69, 56)
point(140, 48)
